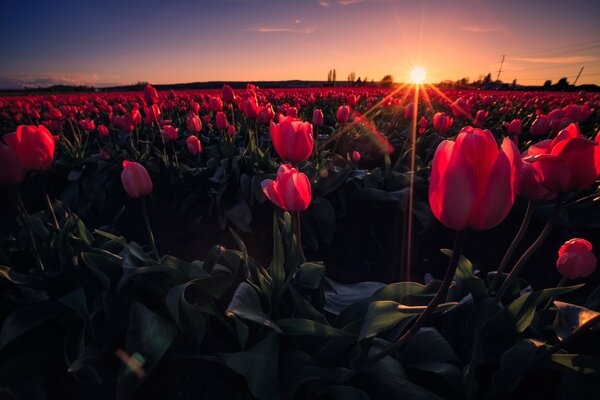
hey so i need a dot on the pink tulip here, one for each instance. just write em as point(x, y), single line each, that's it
point(193, 144)
point(473, 184)
point(290, 190)
point(292, 139)
point(135, 179)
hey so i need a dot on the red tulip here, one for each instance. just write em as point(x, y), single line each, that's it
point(34, 145)
point(540, 126)
point(291, 189)
point(317, 119)
point(597, 155)
point(343, 114)
point(150, 95)
point(442, 122)
point(103, 130)
point(135, 179)
point(575, 259)
point(87, 124)
point(193, 145)
point(11, 169)
point(265, 114)
point(480, 117)
point(408, 111)
point(355, 156)
point(460, 108)
point(565, 163)
point(194, 124)
point(529, 185)
point(292, 139)
point(169, 133)
point(422, 125)
point(473, 184)
point(221, 120)
point(215, 104)
point(513, 127)
point(231, 131)
point(228, 94)
point(152, 114)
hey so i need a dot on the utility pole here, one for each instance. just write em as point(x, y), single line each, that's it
point(578, 75)
point(500, 69)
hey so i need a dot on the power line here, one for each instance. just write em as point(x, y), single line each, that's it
point(500, 69)
point(552, 50)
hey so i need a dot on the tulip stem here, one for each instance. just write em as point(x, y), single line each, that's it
point(439, 297)
point(49, 204)
point(299, 238)
point(513, 245)
point(148, 228)
point(532, 249)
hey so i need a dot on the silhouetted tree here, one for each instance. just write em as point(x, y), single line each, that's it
point(387, 81)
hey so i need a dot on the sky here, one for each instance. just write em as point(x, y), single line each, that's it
point(110, 42)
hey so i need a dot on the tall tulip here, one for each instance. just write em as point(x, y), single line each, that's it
point(228, 94)
point(292, 139)
point(221, 120)
point(473, 184)
point(290, 190)
point(150, 95)
point(194, 124)
point(135, 179)
point(34, 145)
point(317, 119)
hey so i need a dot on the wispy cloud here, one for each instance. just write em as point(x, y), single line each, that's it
point(274, 29)
point(348, 2)
point(479, 29)
point(558, 60)
point(324, 4)
point(33, 81)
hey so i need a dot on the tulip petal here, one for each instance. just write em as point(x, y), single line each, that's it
point(578, 153)
point(553, 172)
point(269, 188)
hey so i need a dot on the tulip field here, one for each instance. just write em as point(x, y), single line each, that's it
point(309, 243)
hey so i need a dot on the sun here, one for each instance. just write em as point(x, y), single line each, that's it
point(418, 74)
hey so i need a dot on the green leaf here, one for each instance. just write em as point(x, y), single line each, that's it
point(277, 269)
point(148, 338)
point(515, 363)
point(309, 275)
point(259, 365)
point(245, 304)
point(382, 316)
point(570, 317)
point(522, 310)
point(134, 250)
point(428, 345)
point(307, 327)
point(579, 363)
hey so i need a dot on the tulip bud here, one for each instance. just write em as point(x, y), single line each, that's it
point(103, 130)
point(355, 156)
point(169, 133)
point(575, 259)
point(194, 124)
point(228, 94)
point(442, 122)
point(135, 179)
point(408, 111)
point(215, 104)
point(221, 120)
point(343, 114)
point(514, 127)
point(193, 145)
point(317, 119)
point(540, 126)
point(231, 131)
point(150, 95)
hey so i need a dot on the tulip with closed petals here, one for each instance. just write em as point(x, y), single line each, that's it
point(513, 127)
point(135, 179)
point(317, 119)
point(290, 190)
point(103, 130)
point(575, 259)
point(228, 94)
point(194, 124)
point(292, 139)
point(473, 183)
point(34, 145)
point(343, 114)
point(355, 156)
point(540, 126)
point(442, 122)
point(408, 111)
point(150, 95)
point(221, 121)
point(215, 104)
point(193, 145)
point(169, 133)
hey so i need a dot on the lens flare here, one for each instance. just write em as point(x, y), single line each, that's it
point(417, 75)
